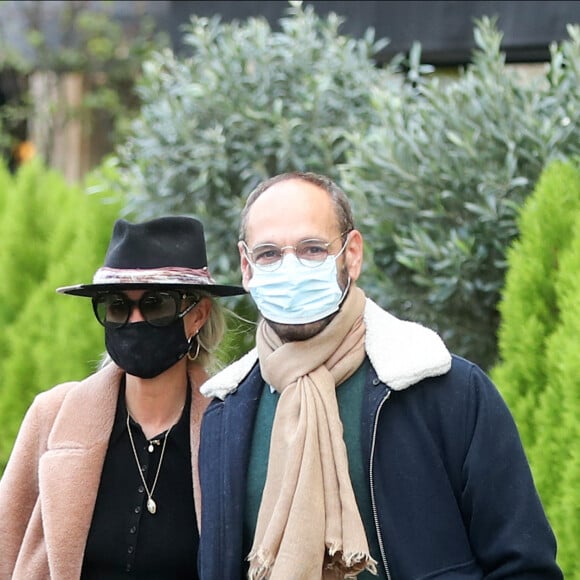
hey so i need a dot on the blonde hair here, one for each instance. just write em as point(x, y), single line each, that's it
point(210, 334)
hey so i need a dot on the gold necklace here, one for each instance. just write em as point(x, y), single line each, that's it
point(151, 505)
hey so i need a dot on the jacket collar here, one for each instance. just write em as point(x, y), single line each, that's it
point(401, 352)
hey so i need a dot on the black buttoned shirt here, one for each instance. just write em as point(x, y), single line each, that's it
point(125, 540)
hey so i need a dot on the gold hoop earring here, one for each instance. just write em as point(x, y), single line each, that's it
point(192, 358)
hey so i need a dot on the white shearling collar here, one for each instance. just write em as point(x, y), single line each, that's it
point(401, 352)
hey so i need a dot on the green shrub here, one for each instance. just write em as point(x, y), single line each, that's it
point(557, 453)
point(5, 184)
point(529, 309)
point(444, 173)
point(437, 169)
point(247, 103)
point(539, 342)
point(58, 235)
point(33, 202)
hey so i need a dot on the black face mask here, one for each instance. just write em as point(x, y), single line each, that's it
point(146, 351)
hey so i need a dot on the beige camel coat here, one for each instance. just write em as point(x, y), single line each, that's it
point(49, 487)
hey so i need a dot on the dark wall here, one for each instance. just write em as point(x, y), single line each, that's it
point(444, 29)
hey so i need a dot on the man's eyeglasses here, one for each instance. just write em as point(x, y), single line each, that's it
point(310, 253)
point(158, 308)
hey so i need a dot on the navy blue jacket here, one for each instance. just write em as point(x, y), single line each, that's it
point(453, 493)
point(451, 489)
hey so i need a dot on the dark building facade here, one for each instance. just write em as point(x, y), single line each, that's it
point(444, 29)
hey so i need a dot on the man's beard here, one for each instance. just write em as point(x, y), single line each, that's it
point(296, 332)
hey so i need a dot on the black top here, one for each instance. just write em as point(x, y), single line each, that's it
point(125, 540)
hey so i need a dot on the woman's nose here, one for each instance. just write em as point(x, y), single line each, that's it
point(135, 315)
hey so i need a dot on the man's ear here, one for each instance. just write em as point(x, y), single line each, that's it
point(245, 266)
point(353, 254)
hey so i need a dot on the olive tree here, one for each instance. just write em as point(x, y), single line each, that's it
point(244, 103)
point(444, 173)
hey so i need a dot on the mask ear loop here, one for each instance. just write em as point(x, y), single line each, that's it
point(194, 357)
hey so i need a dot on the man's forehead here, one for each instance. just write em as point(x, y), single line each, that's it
point(292, 208)
point(292, 194)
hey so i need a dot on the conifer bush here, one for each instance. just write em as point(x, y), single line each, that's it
point(33, 201)
point(529, 308)
point(55, 235)
point(539, 345)
point(557, 453)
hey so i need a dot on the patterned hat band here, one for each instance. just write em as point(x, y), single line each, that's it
point(177, 276)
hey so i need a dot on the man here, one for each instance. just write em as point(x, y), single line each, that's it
point(351, 443)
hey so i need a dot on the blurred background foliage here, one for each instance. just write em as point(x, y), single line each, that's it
point(438, 169)
point(64, 40)
point(444, 173)
point(246, 103)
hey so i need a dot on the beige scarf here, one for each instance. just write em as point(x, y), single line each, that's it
point(309, 526)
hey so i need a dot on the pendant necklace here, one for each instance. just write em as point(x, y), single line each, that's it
point(151, 505)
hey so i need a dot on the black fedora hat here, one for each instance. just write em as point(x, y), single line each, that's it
point(166, 252)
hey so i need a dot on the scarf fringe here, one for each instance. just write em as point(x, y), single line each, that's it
point(347, 566)
point(260, 565)
point(350, 565)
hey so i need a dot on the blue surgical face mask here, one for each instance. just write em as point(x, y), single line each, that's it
point(297, 294)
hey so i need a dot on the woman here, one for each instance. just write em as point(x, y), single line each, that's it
point(102, 480)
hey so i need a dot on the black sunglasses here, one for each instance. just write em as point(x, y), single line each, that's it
point(158, 308)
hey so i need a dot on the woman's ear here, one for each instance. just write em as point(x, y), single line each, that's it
point(197, 317)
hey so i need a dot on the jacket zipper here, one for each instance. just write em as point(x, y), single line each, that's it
point(372, 486)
